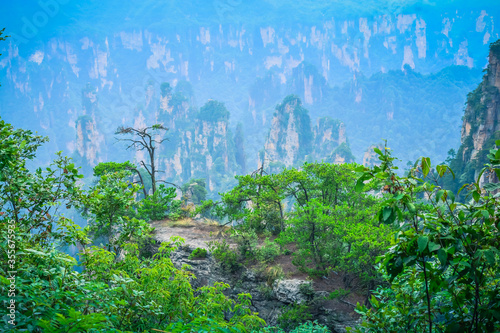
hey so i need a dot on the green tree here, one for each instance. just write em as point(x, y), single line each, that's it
point(32, 198)
point(195, 190)
point(332, 225)
point(443, 270)
point(110, 167)
point(160, 204)
point(145, 139)
point(316, 208)
point(255, 202)
point(110, 295)
point(108, 204)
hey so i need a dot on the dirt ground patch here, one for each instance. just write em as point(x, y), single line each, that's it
point(196, 233)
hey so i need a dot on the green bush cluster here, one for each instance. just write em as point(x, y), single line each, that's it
point(227, 258)
point(293, 316)
point(307, 327)
point(268, 251)
point(246, 242)
point(316, 208)
point(198, 253)
point(160, 205)
point(338, 293)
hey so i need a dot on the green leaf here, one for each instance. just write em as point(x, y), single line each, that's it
point(451, 195)
point(476, 196)
point(374, 301)
point(441, 169)
point(422, 243)
point(36, 252)
point(490, 256)
point(439, 194)
point(497, 153)
point(360, 184)
point(461, 188)
point(442, 256)
point(378, 151)
point(387, 213)
point(433, 246)
point(451, 171)
point(426, 166)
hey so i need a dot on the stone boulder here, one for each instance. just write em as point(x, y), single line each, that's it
point(289, 291)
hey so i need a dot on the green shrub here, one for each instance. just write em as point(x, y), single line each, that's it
point(266, 290)
point(295, 315)
point(338, 293)
point(307, 289)
point(198, 253)
point(269, 251)
point(271, 273)
point(307, 327)
point(159, 205)
point(246, 242)
point(227, 258)
point(442, 273)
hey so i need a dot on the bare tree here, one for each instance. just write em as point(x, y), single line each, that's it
point(145, 139)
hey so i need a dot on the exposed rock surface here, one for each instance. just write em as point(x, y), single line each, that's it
point(289, 291)
point(481, 123)
point(222, 61)
point(200, 144)
point(292, 140)
point(269, 305)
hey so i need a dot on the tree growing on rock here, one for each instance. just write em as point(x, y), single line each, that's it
point(148, 139)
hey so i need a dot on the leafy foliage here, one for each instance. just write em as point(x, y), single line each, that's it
point(331, 224)
point(307, 327)
point(108, 205)
point(293, 316)
point(32, 198)
point(160, 205)
point(111, 294)
point(223, 254)
point(268, 251)
point(443, 270)
point(246, 242)
point(195, 190)
point(198, 253)
point(213, 111)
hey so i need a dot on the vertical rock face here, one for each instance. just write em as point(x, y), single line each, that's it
point(85, 139)
point(240, 149)
point(481, 122)
point(330, 142)
point(309, 82)
point(201, 144)
point(292, 140)
point(88, 139)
